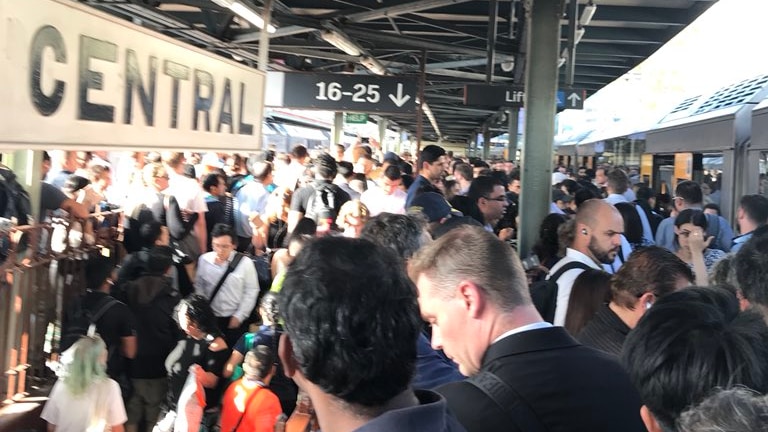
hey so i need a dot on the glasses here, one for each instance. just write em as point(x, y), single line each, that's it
point(498, 198)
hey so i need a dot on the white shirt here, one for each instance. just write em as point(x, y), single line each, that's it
point(525, 328)
point(565, 283)
point(188, 193)
point(72, 413)
point(237, 296)
point(379, 202)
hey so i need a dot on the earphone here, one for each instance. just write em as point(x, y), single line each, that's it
point(647, 305)
point(584, 232)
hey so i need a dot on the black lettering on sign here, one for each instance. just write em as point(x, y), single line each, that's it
point(243, 128)
point(89, 79)
point(225, 113)
point(46, 37)
point(146, 95)
point(202, 104)
point(177, 72)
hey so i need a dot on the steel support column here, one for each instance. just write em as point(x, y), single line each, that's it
point(264, 51)
point(513, 126)
point(338, 128)
point(383, 133)
point(493, 13)
point(486, 142)
point(543, 25)
point(419, 108)
point(573, 12)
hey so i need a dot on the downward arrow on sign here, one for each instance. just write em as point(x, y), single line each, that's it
point(400, 99)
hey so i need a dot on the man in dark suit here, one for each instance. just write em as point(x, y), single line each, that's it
point(526, 375)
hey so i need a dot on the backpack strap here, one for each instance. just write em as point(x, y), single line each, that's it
point(508, 400)
point(567, 267)
point(247, 404)
point(232, 266)
point(107, 303)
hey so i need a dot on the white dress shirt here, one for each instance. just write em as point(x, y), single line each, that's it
point(237, 296)
point(565, 283)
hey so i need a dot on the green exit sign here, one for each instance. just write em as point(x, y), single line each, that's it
point(356, 118)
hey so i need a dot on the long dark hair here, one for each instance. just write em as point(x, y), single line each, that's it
point(591, 290)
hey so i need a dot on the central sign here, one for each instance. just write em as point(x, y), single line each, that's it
point(341, 92)
point(74, 77)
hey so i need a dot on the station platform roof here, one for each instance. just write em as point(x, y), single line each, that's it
point(453, 33)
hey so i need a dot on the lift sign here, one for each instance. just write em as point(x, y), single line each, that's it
point(71, 76)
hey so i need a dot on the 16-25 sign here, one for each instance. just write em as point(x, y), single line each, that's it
point(341, 92)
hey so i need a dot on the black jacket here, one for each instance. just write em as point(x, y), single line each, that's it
point(152, 300)
point(568, 386)
point(605, 332)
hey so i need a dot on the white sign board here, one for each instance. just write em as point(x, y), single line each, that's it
point(73, 77)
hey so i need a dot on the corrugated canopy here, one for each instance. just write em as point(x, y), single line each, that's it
point(620, 35)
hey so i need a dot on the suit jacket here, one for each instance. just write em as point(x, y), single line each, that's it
point(568, 386)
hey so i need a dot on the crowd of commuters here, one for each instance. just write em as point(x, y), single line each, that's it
point(364, 291)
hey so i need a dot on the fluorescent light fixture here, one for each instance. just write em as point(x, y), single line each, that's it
point(245, 12)
point(341, 42)
point(373, 65)
point(587, 14)
point(431, 117)
point(579, 34)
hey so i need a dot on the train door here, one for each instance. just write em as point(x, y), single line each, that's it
point(663, 173)
point(757, 172)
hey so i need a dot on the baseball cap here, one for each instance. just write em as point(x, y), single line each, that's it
point(433, 206)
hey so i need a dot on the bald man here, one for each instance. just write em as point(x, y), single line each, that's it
point(595, 240)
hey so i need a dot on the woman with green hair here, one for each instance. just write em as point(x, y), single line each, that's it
point(84, 399)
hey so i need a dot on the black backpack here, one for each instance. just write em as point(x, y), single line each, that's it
point(14, 200)
point(322, 203)
point(544, 293)
point(81, 321)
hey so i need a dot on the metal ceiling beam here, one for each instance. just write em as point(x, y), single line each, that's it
point(360, 17)
point(631, 51)
point(396, 40)
point(344, 58)
point(648, 15)
point(624, 35)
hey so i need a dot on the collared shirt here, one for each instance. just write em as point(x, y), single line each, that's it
point(553, 208)
point(739, 241)
point(525, 328)
point(565, 282)
point(237, 296)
